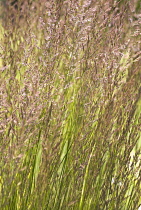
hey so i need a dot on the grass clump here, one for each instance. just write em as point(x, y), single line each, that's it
point(70, 105)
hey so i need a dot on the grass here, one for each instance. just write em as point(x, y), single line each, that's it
point(70, 106)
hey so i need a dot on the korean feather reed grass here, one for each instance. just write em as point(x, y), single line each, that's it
point(70, 105)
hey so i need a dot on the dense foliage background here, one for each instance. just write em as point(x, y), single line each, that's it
point(70, 104)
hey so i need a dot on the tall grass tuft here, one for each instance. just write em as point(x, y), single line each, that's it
point(70, 105)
